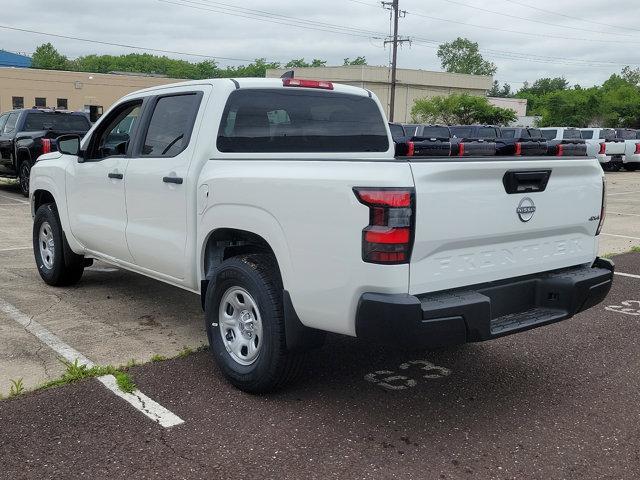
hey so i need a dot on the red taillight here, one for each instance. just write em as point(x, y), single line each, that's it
point(411, 149)
point(518, 148)
point(46, 145)
point(637, 148)
point(298, 82)
point(389, 236)
point(560, 150)
point(461, 150)
point(385, 198)
point(603, 149)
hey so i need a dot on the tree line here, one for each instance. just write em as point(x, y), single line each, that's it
point(48, 58)
point(615, 103)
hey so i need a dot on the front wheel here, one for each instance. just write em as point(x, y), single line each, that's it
point(245, 324)
point(57, 264)
point(24, 176)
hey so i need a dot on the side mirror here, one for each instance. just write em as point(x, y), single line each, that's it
point(69, 144)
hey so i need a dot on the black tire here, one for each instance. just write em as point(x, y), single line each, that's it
point(274, 367)
point(24, 175)
point(64, 267)
point(616, 167)
point(631, 167)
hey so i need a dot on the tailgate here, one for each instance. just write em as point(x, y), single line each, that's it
point(533, 148)
point(615, 148)
point(469, 230)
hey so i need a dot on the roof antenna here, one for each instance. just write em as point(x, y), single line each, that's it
point(287, 74)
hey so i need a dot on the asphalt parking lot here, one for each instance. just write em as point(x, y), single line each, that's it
point(556, 402)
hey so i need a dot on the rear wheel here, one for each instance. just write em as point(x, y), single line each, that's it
point(24, 176)
point(57, 264)
point(245, 324)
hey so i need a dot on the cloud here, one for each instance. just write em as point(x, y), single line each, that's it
point(258, 28)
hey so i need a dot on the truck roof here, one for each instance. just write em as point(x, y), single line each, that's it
point(250, 82)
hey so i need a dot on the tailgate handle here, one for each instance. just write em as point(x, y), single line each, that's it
point(520, 181)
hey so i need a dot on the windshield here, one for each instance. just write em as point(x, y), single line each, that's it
point(60, 122)
point(433, 132)
point(301, 120)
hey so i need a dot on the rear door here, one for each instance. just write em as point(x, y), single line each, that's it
point(7, 134)
point(469, 230)
point(158, 183)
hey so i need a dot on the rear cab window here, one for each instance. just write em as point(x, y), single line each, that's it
point(461, 132)
point(607, 134)
point(300, 121)
point(571, 134)
point(622, 133)
point(587, 134)
point(508, 133)
point(397, 132)
point(535, 133)
point(550, 134)
point(488, 132)
point(60, 122)
point(434, 132)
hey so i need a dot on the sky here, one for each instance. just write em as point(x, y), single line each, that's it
point(583, 40)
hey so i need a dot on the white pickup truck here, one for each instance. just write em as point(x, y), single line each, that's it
point(631, 137)
point(603, 144)
point(281, 203)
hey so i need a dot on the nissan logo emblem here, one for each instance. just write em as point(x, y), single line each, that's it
point(526, 209)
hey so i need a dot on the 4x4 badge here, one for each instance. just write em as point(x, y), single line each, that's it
point(526, 209)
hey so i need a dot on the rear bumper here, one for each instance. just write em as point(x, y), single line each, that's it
point(633, 158)
point(482, 312)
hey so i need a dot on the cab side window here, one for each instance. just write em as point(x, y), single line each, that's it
point(12, 121)
point(115, 137)
point(171, 124)
point(3, 121)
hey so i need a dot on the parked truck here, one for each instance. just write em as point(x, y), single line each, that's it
point(564, 141)
point(605, 146)
point(25, 134)
point(631, 158)
point(281, 203)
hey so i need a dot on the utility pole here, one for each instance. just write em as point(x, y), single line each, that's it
point(395, 40)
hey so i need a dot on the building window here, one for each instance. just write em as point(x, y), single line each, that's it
point(62, 104)
point(17, 102)
point(41, 102)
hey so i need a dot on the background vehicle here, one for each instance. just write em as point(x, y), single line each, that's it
point(26, 134)
point(564, 141)
point(397, 132)
point(631, 159)
point(521, 141)
point(603, 144)
point(299, 219)
point(474, 141)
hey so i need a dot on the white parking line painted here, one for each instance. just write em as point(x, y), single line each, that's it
point(621, 193)
point(12, 205)
point(631, 275)
point(620, 236)
point(137, 399)
point(11, 249)
point(625, 214)
point(19, 200)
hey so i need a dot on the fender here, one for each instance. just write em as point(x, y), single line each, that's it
point(51, 178)
point(251, 219)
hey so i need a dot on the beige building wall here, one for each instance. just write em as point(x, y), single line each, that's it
point(519, 105)
point(411, 84)
point(79, 88)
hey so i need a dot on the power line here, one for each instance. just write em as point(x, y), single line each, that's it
point(341, 30)
point(135, 47)
point(497, 29)
point(572, 17)
point(532, 20)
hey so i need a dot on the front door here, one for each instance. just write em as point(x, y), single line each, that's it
point(7, 134)
point(95, 190)
point(157, 184)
